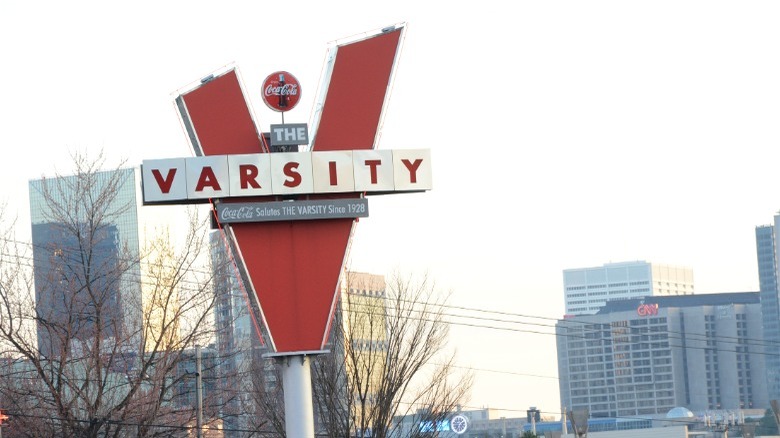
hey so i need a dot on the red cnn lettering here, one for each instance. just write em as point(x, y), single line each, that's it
point(412, 168)
point(334, 177)
point(248, 176)
point(373, 164)
point(207, 179)
point(647, 309)
point(291, 171)
point(164, 183)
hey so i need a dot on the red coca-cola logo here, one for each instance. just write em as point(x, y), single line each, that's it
point(281, 91)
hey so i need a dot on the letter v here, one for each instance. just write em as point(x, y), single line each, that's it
point(164, 183)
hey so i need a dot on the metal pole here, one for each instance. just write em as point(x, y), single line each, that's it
point(563, 422)
point(198, 392)
point(298, 409)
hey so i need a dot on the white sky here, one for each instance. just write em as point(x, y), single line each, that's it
point(564, 134)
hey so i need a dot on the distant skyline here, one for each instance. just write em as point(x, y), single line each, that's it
point(563, 135)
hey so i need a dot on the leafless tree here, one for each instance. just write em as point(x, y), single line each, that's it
point(389, 358)
point(95, 337)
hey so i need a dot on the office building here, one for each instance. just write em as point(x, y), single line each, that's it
point(239, 346)
point(361, 341)
point(586, 290)
point(647, 356)
point(85, 252)
point(767, 255)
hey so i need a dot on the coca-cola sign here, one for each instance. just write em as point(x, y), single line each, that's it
point(281, 91)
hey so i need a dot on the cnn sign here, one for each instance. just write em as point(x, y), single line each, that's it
point(647, 309)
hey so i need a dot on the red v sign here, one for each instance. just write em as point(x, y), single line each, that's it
point(294, 266)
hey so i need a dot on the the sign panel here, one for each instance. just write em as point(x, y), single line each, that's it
point(289, 134)
point(285, 173)
point(291, 210)
point(332, 172)
point(251, 174)
point(208, 178)
point(373, 170)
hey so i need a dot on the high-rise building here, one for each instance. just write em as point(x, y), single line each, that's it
point(767, 255)
point(85, 251)
point(647, 356)
point(363, 317)
point(238, 343)
point(586, 290)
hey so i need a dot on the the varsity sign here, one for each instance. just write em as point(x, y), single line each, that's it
point(199, 179)
point(288, 217)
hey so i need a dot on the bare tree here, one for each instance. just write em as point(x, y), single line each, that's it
point(389, 358)
point(94, 336)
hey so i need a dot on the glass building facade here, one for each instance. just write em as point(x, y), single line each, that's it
point(239, 346)
point(85, 257)
point(766, 251)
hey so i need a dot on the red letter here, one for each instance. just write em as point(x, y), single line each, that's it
point(164, 183)
point(412, 169)
point(207, 178)
point(334, 177)
point(295, 177)
point(248, 176)
point(373, 164)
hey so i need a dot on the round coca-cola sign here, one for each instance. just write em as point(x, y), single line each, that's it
point(281, 91)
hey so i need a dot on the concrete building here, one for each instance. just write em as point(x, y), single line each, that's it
point(359, 338)
point(586, 290)
point(767, 255)
point(647, 356)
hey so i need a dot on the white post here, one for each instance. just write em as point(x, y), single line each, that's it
point(198, 392)
point(298, 409)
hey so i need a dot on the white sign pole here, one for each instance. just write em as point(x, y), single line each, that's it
point(298, 408)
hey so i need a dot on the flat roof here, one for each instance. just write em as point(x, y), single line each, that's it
point(695, 300)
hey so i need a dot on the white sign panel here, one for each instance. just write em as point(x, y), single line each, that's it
point(252, 174)
point(333, 172)
point(161, 182)
point(410, 169)
point(373, 170)
point(197, 179)
point(208, 178)
point(291, 173)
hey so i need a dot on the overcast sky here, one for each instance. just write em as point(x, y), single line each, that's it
point(564, 134)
